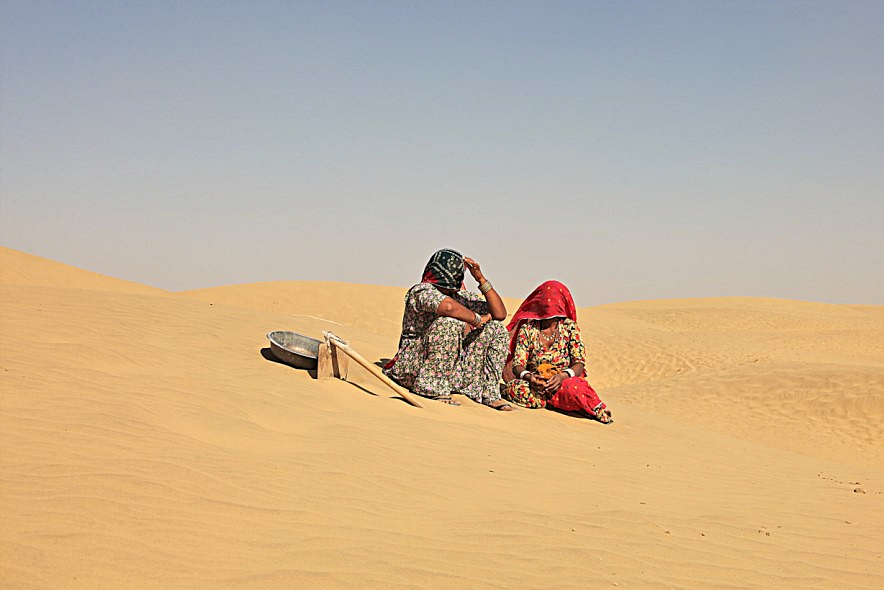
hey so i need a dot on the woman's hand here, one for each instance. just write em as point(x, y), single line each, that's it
point(495, 303)
point(470, 327)
point(474, 269)
point(553, 383)
point(535, 382)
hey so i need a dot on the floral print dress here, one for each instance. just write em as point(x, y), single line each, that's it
point(436, 359)
point(565, 349)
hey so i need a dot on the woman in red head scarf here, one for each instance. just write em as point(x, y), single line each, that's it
point(548, 355)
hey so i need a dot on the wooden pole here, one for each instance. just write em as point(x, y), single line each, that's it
point(332, 339)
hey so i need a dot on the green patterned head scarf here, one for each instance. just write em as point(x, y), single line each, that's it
point(445, 270)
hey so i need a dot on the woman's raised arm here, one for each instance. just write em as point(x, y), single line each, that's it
point(495, 304)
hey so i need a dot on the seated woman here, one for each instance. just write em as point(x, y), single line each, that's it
point(548, 356)
point(452, 340)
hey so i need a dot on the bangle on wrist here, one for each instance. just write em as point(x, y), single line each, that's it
point(477, 321)
point(485, 287)
point(570, 371)
point(523, 373)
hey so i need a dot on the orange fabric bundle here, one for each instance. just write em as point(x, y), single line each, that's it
point(546, 370)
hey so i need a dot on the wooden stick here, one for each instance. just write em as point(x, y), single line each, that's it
point(400, 391)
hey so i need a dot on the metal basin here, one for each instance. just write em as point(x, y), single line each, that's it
point(294, 349)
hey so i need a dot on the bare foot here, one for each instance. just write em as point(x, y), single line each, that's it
point(603, 415)
point(501, 406)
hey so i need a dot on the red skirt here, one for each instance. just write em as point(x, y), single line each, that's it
point(575, 395)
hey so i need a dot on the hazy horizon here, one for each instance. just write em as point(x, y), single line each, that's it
point(633, 150)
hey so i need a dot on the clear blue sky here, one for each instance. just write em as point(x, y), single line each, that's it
point(633, 150)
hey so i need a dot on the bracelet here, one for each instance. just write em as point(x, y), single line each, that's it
point(485, 287)
point(477, 321)
point(523, 373)
point(570, 371)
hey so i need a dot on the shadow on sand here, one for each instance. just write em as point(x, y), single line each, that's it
point(269, 356)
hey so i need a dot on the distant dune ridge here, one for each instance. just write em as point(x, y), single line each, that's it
point(145, 442)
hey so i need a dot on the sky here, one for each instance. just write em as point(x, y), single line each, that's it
point(630, 149)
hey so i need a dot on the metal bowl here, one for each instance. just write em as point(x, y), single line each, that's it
point(294, 349)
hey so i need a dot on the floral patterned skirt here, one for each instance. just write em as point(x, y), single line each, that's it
point(444, 361)
point(575, 395)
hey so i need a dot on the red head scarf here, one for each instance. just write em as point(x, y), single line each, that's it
point(551, 299)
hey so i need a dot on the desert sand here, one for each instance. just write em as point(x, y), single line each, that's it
point(148, 443)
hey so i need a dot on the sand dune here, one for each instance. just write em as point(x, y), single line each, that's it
point(19, 268)
point(147, 442)
point(808, 377)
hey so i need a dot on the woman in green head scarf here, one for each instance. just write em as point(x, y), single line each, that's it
point(452, 340)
